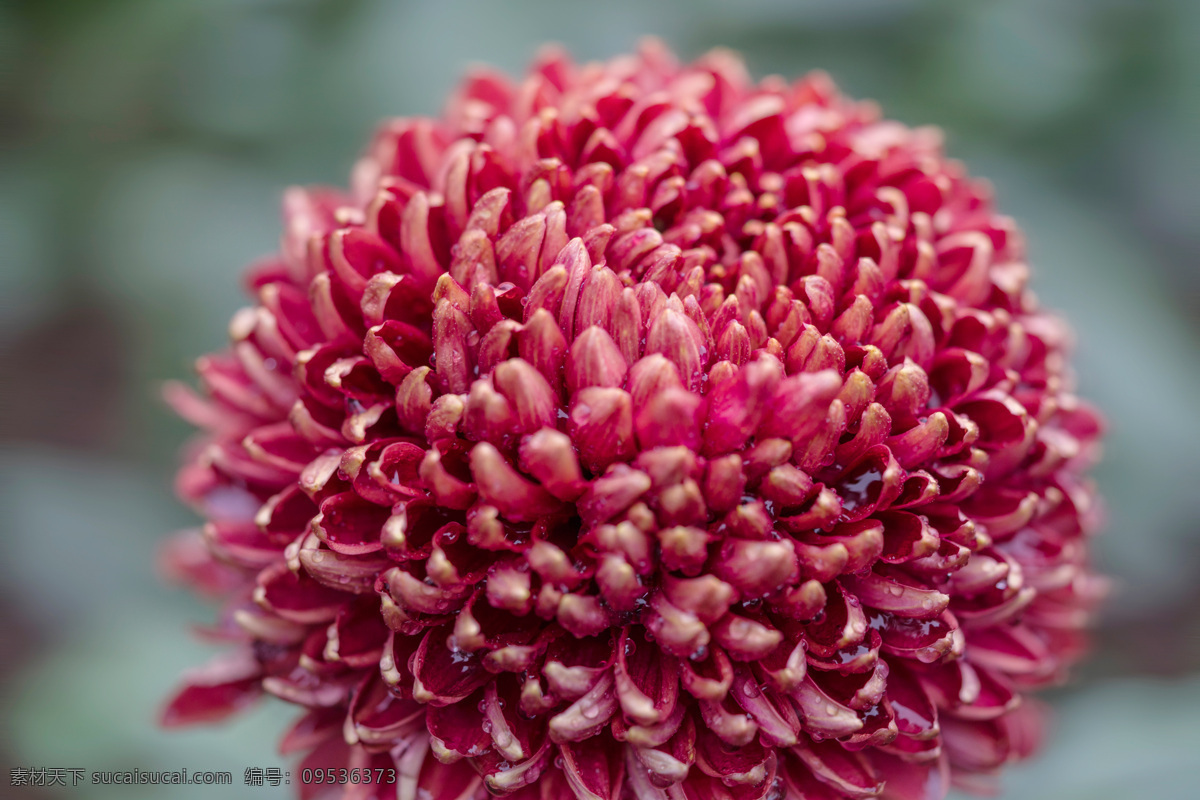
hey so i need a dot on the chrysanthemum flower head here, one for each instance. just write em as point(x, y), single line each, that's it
point(641, 431)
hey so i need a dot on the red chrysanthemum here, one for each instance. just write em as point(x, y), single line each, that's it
point(641, 431)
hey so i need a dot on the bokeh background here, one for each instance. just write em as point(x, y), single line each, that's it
point(143, 148)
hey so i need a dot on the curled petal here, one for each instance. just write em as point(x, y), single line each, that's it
point(707, 596)
point(707, 674)
point(757, 568)
point(357, 636)
point(916, 715)
point(842, 624)
point(531, 397)
point(573, 666)
point(849, 773)
point(548, 455)
point(503, 487)
point(587, 715)
point(919, 443)
point(619, 487)
point(669, 729)
point(778, 723)
point(725, 719)
point(798, 405)
point(583, 615)
point(342, 572)
point(297, 597)
point(504, 776)
point(924, 640)
point(541, 343)
point(442, 676)
point(595, 770)
point(638, 775)
point(785, 666)
point(450, 490)
point(378, 717)
point(821, 713)
point(647, 682)
point(745, 639)
point(901, 599)
point(740, 765)
point(411, 593)
point(350, 525)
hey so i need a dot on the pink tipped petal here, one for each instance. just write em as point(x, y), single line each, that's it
point(647, 682)
point(798, 405)
point(586, 715)
point(601, 425)
point(499, 484)
point(738, 765)
point(785, 666)
point(442, 676)
point(901, 599)
point(916, 715)
point(778, 723)
point(297, 597)
point(531, 397)
point(614, 492)
point(594, 770)
point(548, 456)
point(677, 337)
point(822, 714)
point(846, 772)
point(595, 360)
point(541, 343)
point(377, 716)
point(728, 721)
point(501, 775)
point(745, 639)
point(757, 568)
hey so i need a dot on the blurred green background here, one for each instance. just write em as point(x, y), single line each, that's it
point(143, 148)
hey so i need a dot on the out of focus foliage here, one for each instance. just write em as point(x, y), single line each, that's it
point(143, 148)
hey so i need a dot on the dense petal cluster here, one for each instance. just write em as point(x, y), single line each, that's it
point(641, 431)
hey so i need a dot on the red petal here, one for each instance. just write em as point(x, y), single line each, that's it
point(457, 730)
point(351, 525)
point(907, 781)
point(594, 768)
point(213, 692)
point(647, 681)
point(297, 597)
point(849, 773)
point(379, 717)
point(442, 676)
